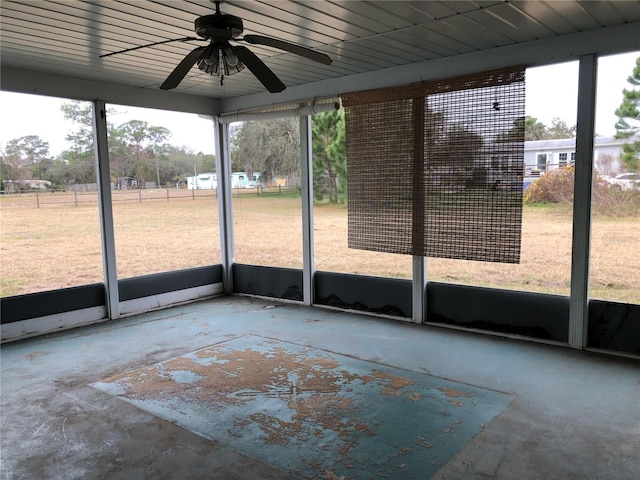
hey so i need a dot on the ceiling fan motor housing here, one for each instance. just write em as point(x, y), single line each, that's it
point(209, 26)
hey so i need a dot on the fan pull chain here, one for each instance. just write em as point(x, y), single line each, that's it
point(221, 59)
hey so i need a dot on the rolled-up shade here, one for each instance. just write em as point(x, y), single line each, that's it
point(435, 169)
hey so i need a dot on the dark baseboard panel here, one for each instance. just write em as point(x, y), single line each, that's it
point(51, 302)
point(614, 326)
point(528, 314)
point(388, 296)
point(274, 282)
point(165, 282)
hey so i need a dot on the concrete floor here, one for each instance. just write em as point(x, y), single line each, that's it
point(574, 415)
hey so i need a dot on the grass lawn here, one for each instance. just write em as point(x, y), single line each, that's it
point(58, 244)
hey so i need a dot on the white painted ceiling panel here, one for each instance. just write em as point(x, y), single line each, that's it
point(523, 21)
point(628, 10)
point(66, 37)
point(545, 14)
point(575, 14)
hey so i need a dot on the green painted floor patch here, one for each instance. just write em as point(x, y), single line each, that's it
point(312, 413)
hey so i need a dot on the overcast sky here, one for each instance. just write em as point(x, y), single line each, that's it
point(551, 92)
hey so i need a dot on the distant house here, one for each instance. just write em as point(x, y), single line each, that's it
point(204, 181)
point(243, 180)
point(126, 183)
point(16, 186)
point(543, 155)
point(209, 181)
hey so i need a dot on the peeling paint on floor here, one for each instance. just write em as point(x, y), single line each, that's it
point(310, 412)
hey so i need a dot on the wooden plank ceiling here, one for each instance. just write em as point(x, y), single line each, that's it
point(66, 37)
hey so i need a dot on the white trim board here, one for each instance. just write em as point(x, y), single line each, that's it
point(163, 300)
point(48, 324)
point(58, 322)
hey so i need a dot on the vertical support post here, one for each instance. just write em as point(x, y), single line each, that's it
point(417, 232)
point(37, 200)
point(419, 275)
point(419, 289)
point(306, 158)
point(225, 205)
point(579, 300)
point(101, 150)
point(75, 197)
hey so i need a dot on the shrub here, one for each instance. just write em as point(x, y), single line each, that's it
point(556, 186)
point(610, 200)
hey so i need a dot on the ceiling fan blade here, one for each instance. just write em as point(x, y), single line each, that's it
point(185, 39)
point(259, 69)
point(289, 47)
point(174, 79)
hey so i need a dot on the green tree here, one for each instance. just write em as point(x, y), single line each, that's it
point(559, 129)
point(515, 133)
point(25, 157)
point(81, 114)
point(534, 129)
point(329, 156)
point(271, 147)
point(206, 162)
point(451, 144)
point(137, 149)
point(181, 162)
point(77, 164)
point(628, 124)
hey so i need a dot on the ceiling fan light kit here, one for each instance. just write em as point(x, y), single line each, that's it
point(222, 58)
point(219, 60)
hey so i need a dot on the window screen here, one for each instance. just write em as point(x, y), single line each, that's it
point(435, 169)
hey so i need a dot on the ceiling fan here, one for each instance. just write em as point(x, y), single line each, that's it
point(221, 57)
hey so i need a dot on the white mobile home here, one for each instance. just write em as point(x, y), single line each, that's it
point(543, 155)
point(16, 186)
point(204, 181)
point(209, 181)
point(244, 180)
